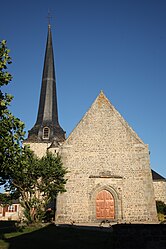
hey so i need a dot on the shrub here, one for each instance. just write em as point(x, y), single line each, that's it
point(161, 207)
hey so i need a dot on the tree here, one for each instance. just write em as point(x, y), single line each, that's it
point(50, 182)
point(161, 207)
point(12, 129)
point(35, 181)
point(161, 211)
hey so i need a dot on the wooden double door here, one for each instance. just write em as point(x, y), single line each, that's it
point(105, 206)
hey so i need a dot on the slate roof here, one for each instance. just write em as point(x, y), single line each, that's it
point(157, 177)
point(48, 110)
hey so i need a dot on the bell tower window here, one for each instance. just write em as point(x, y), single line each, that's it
point(46, 133)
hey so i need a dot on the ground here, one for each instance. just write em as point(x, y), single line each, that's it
point(124, 236)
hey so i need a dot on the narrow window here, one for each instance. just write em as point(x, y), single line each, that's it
point(46, 132)
point(11, 208)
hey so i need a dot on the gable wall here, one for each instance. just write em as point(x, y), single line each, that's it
point(103, 152)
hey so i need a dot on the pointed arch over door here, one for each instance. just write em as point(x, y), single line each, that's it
point(105, 205)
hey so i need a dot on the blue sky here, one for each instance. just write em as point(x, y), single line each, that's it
point(118, 46)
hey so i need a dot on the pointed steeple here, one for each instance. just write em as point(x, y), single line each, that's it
point(47, 126)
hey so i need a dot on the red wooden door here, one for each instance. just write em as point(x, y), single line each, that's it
point(105, 208)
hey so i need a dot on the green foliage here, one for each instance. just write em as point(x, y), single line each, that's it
point(5, 59)
point(52, 175)
point(5, 199)
point(41, 181)
point(35, 181)
point(161, 207)
point(12, 129)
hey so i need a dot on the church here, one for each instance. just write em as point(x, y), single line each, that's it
point(109, 174)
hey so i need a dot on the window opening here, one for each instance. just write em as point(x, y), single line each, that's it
point(11, 208)
point(46, 132)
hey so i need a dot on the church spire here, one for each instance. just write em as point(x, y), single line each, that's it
point(47, 126)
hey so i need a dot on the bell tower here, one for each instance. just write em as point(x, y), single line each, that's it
point(47, 128)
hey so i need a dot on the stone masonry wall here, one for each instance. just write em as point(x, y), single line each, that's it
point(103, 152)
point(38, 148)
point(160, 190)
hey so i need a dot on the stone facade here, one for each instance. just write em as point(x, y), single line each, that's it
point(39, 148)
point(104, 153)
point(160, 190)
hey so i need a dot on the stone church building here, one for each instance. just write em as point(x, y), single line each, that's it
point(109, 174)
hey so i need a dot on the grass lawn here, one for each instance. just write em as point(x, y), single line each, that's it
point(57, 237)
point(124, 236)
point(5, 237)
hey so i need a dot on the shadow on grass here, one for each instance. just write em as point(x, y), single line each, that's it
point(60, 237)
point(7, 226)
point(123, 236)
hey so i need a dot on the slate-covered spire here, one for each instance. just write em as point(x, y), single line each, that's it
point(47, 126)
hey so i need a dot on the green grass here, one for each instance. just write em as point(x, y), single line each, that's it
point(4, 244)
point(22, 231)
point(124, 236)
point(51, 236)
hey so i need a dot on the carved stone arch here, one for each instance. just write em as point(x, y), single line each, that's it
point(98, 189)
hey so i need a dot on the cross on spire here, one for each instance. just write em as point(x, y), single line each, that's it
point(49, 16)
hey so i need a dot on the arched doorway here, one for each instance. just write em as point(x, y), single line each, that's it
point(105, 206)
